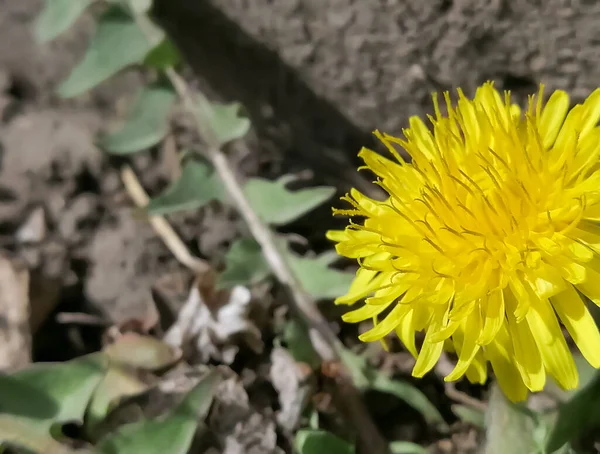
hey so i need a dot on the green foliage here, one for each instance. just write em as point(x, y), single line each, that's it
point(172, 434)
point(245, 264)
point(163, 56)
point(66, 387)
point(147, 123)
point(196, 187)
point(57, 16)
point(295, 335)
point(38, 400)
point(510, 427)
point(117, 43)
point(271, 200)
point(224, 121)
point(317, 278)
point(576, 416)
point(276, 205)
point(317, 441)
point(367, 377)
point(470, 415)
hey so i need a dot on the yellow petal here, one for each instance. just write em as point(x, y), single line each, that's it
point(363, 313)
point(591, 113)
point(365, 283)
point(430, 351)
point(579, 322)
point(493, 314)
point(552, 117)
point(527, 354)
point(591, 286)
point(552, 345)
point(500, 353)
point(469, 347)
point(387, 325)
point(477, 371)
point(406, 332)
point(337, 235)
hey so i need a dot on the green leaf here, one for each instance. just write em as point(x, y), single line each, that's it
point(366, 376)
point(196, 187)
point(317, 278)
point(163, 56)
point(406, 447)
point(275, 204)
point(147, 122)
point(295, 335)
point(172, 434)
point(311, 441)
point(117, 43)
point(224, 121)
point(57, 16)
point(469, 415)
point(19, 433)
point(510, 426)
point(245, 265)
point(576, 416)
point(67, 387)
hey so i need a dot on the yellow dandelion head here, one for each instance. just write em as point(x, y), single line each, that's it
point(489, 237)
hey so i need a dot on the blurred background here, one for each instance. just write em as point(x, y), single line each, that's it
point(314, 77)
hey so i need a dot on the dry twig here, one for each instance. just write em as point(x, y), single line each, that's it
point(15, 333)
point(160, 225)
point(325, 341)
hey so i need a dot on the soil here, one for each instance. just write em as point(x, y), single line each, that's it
point(315, 78)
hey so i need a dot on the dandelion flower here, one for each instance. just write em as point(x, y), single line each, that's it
point(488, 241)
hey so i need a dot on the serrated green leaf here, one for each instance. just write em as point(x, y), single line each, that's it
point(576, 416)
point(224, 121)
point(277, 205)
point(170, 435)
point(469, 415)
point(295, 335)
point(510, 426)
point(147, 122)
point(163, 56)
point(57, 16)
point(406, 447)
point(245, 265)
point(311, 441)
point(117, 43)
point(197, 186)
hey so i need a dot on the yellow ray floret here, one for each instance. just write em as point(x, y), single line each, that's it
point(488, 239)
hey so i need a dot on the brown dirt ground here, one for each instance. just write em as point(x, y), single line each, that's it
point(315, 77)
